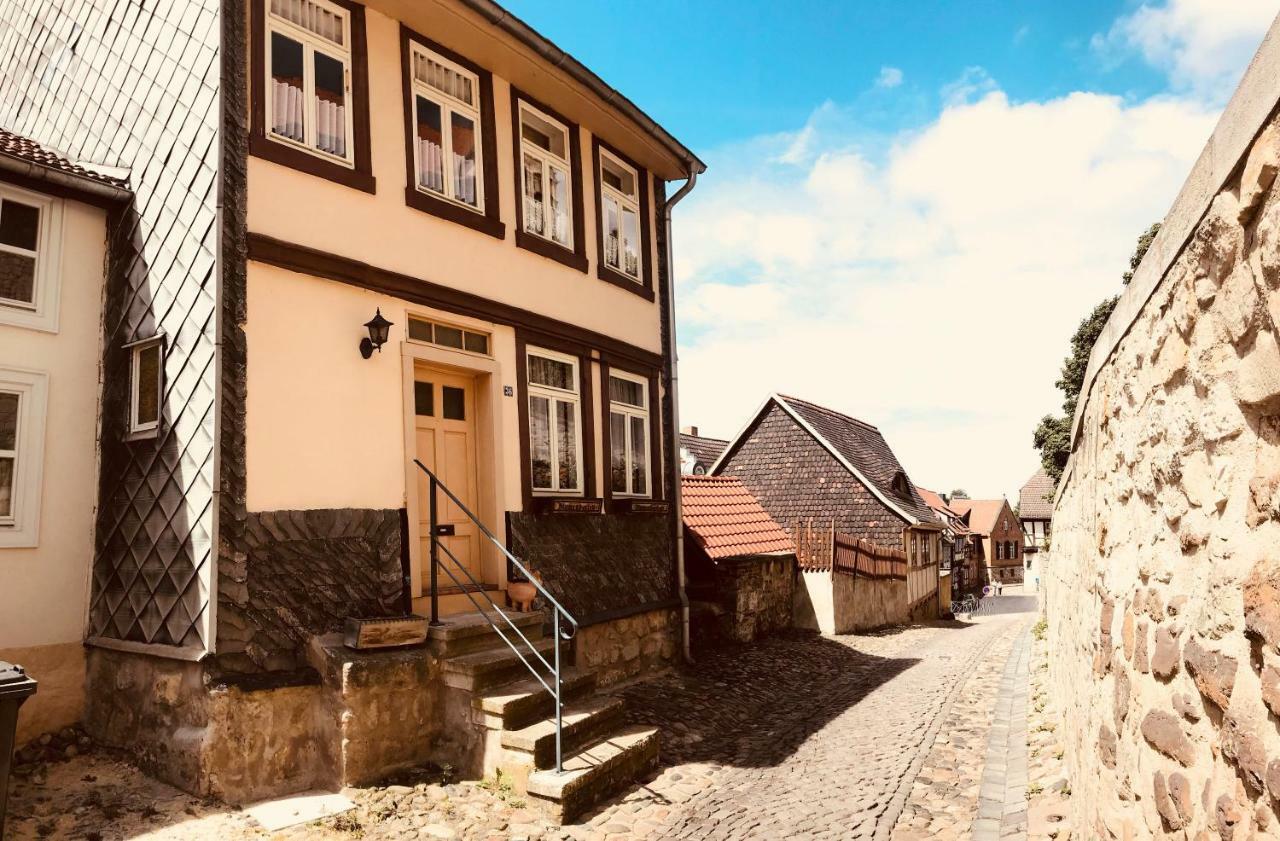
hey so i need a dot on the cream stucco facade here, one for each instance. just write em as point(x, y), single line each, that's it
point(44, 595)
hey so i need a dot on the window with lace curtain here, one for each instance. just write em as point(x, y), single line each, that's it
point(620, 216)
point(446, 128)
point(628, 434)
point(546, 177)
point(308, 89)
point(555, 422)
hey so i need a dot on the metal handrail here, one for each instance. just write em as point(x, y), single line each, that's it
point(559, 632)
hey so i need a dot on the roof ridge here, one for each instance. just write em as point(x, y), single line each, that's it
point(828, 410)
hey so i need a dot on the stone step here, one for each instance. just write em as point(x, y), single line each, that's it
point(582, 723)
point(595, 772)
point(464, 633)
point(482, 670)
point(522, 703)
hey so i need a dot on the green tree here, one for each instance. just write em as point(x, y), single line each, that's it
point(1052, 436)
point(959, 493)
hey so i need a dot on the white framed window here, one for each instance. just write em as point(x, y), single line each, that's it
point(23, 402)
point(546, 176)
point(555, 422)
point(308, 84)
point(146, 386)
point(628, 435)
point(620, 216)
point(446, 128)
point(30, 258)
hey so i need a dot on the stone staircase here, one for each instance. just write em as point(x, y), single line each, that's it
point(509, 717)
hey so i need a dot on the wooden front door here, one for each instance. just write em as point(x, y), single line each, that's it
point(445, 423)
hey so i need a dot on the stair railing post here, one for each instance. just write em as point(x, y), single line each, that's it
point(559, 758)
point(435, 554)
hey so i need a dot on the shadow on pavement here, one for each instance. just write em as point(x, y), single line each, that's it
point(753, 706)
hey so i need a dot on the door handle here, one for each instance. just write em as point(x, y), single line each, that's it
point(444, 530)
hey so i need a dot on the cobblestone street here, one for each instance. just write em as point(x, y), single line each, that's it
point(804, 737)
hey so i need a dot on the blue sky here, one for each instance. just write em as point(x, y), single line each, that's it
point(753, 66)
point(910, 206)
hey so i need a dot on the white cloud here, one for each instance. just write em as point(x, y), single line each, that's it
point(890, 77)
point(971, 84)
point(930, 283)
point(1203, 45)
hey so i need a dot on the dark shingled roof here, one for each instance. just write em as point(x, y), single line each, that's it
point(705, 450)
point(1035, 500)
point(862, 445)
point(25, 149)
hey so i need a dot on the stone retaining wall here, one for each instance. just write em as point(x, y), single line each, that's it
point(622, 649)
point(839, 603)
point(1163, 584)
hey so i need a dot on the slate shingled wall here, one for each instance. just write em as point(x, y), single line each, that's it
point(136, 85)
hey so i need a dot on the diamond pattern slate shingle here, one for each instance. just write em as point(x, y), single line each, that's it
point(1035, 500)
point(726, 520)
point(25, 149)
point(135, 85)
point(797, 479)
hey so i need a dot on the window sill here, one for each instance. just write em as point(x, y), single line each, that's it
point(269, 150)
point(142, 435)
point(638, 505)
point(547, 248)
point(617, 278)
point(549, 505)
point(445, 209)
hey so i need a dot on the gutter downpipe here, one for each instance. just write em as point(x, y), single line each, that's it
point(674, 399)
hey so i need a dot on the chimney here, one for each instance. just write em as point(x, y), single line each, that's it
point(688, 430)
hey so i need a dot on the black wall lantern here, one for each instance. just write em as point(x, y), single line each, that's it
point(379, 330)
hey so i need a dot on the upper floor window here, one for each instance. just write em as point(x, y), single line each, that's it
point(628, 435)
point(620, 216)
point(308, 90)
point(926, 542)
point(546, 176)
point(915, 552)
point(555, 422)
point(29, 235)
point(146, 386)
point(446, 128)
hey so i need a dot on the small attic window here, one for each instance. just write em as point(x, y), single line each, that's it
point(900, 485)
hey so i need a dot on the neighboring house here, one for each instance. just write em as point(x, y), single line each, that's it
point(996, 527)
point(738, 559)
point(53, 245)
point(362, 234)
point(957, 554)
point(809, 464)
point(1035, 510)
point(698, 453)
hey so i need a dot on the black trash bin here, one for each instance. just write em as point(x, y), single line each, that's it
point(15, 687)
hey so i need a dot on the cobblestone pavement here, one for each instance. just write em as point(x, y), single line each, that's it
point(944, 796)
point(1048, 793)
point(1002, 799)
point(801, 737)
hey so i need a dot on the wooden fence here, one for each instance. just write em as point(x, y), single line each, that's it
point(820, 548)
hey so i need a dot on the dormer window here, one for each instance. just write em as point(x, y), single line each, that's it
point(546, 176)
point(308, 88)
point(900, 485)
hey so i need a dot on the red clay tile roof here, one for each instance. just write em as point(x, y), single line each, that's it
point(726, 521)
point(983, 513)
point(936, 502)
point(25, 149)
point(704, 450)
point(1035, 500)
point(862, 445)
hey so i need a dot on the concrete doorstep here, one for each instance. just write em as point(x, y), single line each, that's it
point(282, 812)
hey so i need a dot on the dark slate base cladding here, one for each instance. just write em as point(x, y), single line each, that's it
point(598, 566)
point(301, 573)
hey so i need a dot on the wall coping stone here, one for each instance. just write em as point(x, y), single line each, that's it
point(1241, 122)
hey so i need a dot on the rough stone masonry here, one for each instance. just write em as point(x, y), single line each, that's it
point(1164, 576)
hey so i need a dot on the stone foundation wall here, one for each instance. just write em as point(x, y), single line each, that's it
point(751, 597)
point(837, 603)
point(624, 649)
point(1163, 582)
